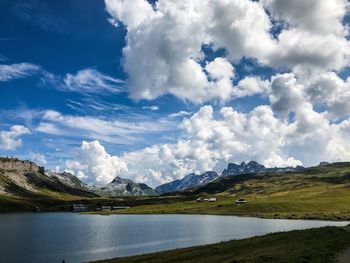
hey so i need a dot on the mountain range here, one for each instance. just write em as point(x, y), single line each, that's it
point(194, 180)
point(26, 179)
point(23, 178)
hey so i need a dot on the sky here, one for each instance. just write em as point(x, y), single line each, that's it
point(154, 90)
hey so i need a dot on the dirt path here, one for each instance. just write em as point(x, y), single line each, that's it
point(344, 257)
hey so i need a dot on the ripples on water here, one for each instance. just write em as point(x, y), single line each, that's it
point(52, 237)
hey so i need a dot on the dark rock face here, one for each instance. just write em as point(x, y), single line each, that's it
point(255, 167)
point(189, 181)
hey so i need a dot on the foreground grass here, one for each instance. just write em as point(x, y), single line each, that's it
point(313, 245)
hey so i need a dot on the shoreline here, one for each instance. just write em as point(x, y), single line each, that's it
point(213, 214)
point(325, 244)
point(258, 216)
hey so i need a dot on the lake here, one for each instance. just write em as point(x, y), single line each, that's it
point(52, 237)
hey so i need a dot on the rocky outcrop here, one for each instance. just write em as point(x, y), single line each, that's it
point(14, 164)
point(26, 179)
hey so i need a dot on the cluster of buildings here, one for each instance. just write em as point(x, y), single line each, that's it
point(213, 199)
point(106, 208)
point(201, 199)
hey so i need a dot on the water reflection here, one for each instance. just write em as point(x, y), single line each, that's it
point(51, 237)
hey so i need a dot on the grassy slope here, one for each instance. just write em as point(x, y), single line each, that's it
point(49, 194)
point(322, 193)
point(314, 245)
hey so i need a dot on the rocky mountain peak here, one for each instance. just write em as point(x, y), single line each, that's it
point(188, 181)
point(254, 167)
point(124, 187)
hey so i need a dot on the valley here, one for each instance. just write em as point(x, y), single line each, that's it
point(320, 192)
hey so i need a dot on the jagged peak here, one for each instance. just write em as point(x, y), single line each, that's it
point(119, 179)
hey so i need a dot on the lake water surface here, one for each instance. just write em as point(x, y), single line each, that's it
point(52, 237)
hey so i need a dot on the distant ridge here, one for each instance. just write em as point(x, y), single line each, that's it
point(190, 180)
point(124, 187)
point(25, 178)
point(255, 167)
point(193, 180)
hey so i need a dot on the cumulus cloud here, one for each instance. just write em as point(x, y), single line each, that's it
point(330, 91)
point(95, 165)
point(314, 15)
point(307, 53)
point(233, 137)
point(10, 140)
point(305, 122)
point(288, 132)
point(249, 86)
point(18, 71)
point(164, 55)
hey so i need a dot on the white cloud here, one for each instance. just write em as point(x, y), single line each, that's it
point(220, 68)
point(330, 91)
point(132, 13)
point(85, 81)
point(92, 81)
point(319, 16)
point(121, 131)
point(179, 114)
point(18, 71)
point(307, 53)
point(164, 55)
point(10, 140)
point(286, 95)
point(268, 134)
point(38, 158)
point(251, 86)
point(95, 165)
point(163, 52)
point(151, 108)
point(169, 42)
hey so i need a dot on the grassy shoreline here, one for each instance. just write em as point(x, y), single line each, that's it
point(321, 245)
point(261, 207)
point(316, 193)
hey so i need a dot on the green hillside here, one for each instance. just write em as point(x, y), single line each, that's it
point(24, 187)
point(321, 192)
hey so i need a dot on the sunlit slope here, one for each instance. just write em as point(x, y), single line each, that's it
point(321, 192)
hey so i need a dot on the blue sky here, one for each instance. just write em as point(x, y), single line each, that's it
point(65, 79)
point(65, 37)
